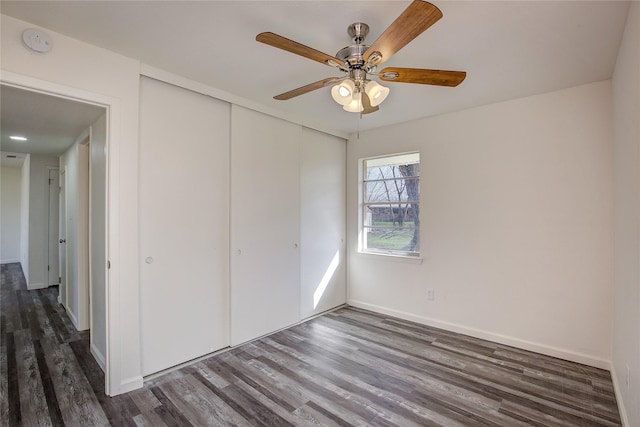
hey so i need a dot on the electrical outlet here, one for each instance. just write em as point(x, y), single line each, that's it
point(628, 377)
point(431, 294)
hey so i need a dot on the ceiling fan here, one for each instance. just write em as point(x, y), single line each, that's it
point(355, 91)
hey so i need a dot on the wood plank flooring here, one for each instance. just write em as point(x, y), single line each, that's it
point(346, 368)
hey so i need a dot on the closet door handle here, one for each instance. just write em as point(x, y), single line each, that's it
point(63, 240)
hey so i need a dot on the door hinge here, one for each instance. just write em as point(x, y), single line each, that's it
point(48, 268)
point(50, 181)
point(59, 280)
point(108, 264)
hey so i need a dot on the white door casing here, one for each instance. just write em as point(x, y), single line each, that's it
point(62, 295)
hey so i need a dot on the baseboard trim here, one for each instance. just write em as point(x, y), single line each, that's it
point(560, 353)
point(618, 392)
point(33, 286)
point(99, 358)
point(9, 261)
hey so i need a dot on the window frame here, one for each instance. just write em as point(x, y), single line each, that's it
point(363, 203)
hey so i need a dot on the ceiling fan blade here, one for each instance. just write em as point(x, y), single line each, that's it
point(419, 16)
point(421, 76)
point(297, 48)
point(308, 88)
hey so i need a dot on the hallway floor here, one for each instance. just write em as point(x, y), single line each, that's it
point(48, 375)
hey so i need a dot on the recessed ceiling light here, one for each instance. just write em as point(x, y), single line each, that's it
point(18, 138)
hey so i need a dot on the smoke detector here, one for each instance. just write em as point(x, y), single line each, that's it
point(36, 40)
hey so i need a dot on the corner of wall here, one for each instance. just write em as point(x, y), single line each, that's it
point(618, 393)
point(626, 288)
point(127, 385)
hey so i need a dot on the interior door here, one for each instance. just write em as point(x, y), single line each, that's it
point(62, 242)
point(54, 200)
point(184, 224)
point(98, 239)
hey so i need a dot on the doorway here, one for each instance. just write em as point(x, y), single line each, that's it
point(62, 233)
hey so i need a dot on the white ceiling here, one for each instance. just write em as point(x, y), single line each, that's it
point(51, 124)
point(509, 49)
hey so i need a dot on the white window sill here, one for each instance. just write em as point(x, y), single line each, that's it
point(390, 257)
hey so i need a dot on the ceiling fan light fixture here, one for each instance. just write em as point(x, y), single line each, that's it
point(343, 93)
point(355, 106)
point(359, 60)
point(376, 92)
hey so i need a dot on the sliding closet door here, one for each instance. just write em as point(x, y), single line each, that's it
point(323, 216)
point(184, 224)
point(265, 223)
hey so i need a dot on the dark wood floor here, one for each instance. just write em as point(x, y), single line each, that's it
point(349, 367)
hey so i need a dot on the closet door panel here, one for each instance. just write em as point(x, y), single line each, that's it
point(184, 224)
point(265, 224)
point(323, 216)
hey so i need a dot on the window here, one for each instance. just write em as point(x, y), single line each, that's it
point(390, 219)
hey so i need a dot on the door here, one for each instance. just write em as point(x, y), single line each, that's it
point(62, 242)
point(97, 237)
point(184, 225)
point(54, 200)
point(323, 222)
point(265, 224)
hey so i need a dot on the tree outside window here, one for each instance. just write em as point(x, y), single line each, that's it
point(391, 205)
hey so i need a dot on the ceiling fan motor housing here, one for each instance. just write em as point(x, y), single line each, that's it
point(358, 32)
point(353, 55)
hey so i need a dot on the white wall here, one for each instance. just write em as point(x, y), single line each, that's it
point(98, 254)
point(75, 164)
point(626, 319)
point(24, 216)
point(39, 219)
point(516, 223)
point(10, 204)
point(91, 73)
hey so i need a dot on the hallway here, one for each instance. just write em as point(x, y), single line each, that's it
point(52, 379)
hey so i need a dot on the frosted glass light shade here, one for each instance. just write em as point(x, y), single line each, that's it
point(355, 106)
point(343, 93)
point(377, 93)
